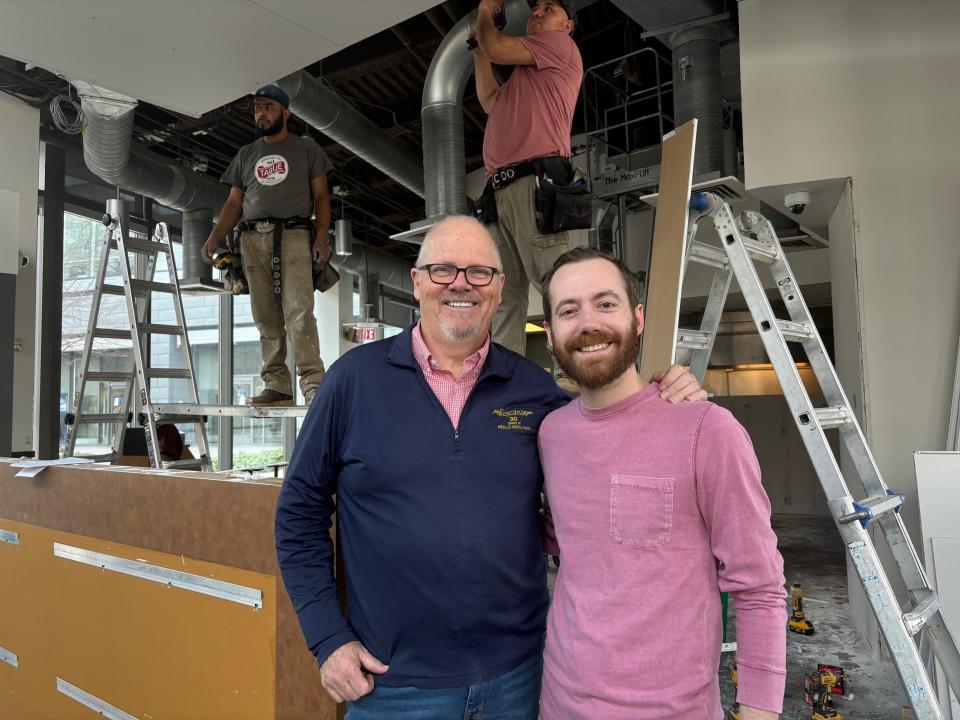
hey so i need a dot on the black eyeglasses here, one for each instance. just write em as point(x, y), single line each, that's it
point(444, 274)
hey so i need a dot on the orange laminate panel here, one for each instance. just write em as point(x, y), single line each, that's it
point(151, 650)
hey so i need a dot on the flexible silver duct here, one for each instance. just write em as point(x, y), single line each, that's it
point(334, 117)
point(389, 271)
point(107, 152)
point(442, 114)
point(697, 92)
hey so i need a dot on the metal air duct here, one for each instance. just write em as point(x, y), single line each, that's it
point(322, 108)
point(697, 92)
point(442, 114)
point(107, 142)
point(389, 271)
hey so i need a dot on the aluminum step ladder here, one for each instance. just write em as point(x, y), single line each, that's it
point(137, 289)
point(744, 241)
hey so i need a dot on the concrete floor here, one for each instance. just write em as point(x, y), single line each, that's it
point(814, 556)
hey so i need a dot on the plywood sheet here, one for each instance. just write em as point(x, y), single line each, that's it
point(666, 258)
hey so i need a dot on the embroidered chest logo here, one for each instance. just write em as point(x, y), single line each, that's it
point(272, 170)
point(513, 419)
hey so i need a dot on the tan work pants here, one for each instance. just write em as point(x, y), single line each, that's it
point(526, 254)
point(294, 316)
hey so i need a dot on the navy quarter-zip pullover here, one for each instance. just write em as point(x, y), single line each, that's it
point(439, 526)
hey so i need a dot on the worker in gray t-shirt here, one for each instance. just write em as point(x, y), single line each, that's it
point(276, 184)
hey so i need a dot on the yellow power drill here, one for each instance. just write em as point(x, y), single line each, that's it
point(797, 622)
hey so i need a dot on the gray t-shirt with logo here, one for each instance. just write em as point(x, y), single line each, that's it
point(275, 177)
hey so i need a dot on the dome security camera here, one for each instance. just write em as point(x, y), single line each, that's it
point(796, 202)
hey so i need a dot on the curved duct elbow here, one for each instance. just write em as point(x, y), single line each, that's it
point(442, 113)
point(389, 271)
point(107, 142)
point(322, 108)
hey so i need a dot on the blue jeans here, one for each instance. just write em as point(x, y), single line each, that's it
point(515, 695)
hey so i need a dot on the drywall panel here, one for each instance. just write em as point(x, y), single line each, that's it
point(945, 551)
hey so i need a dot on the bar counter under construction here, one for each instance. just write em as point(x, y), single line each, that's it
point(138, 593)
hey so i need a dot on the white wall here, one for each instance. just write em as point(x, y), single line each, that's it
point(868, 90)
point(19, 157)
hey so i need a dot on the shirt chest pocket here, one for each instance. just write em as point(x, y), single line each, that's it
point(641, 511)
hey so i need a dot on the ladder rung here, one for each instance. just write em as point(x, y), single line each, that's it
point(794, 331)
point(921, 613)
point(692, 339)
point(155, 329)
point(178, 419)
point(871, 508)
point(143, 246)
point(168, 373)
point(112, 290)
point(188, 464)
point(113, 333)
point(104, 376)
point(832, 417)
point(90, 418)
point(102, 457)
point(708, 255)
point(759, 251)
point(141, 286)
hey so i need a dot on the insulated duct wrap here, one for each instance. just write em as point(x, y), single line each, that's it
point(322, 108)
point(697, 92)
point(442, 113)
point(107, 142)
point(389, 271)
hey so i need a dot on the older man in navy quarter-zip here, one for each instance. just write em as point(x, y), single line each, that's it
point(429, 442)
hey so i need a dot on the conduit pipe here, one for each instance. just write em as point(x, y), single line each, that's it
point(322, 108)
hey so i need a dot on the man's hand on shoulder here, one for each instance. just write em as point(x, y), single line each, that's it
point(752, 713)
point(678, 384)
point(345, 674)
point(489, 6)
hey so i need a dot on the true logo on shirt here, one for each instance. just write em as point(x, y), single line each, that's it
point(513, 419)
point(271, 170)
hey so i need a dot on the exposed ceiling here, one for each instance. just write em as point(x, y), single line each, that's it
point(381, 75)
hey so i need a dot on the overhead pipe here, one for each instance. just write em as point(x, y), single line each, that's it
point(697, 92)
point(322, 108)
point(389, 271)
point(107, 140)
point(442, 113)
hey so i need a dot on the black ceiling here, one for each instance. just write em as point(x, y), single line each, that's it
point(381, 76)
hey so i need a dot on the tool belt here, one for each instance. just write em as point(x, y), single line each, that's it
point(561, 199)
point(325, 276)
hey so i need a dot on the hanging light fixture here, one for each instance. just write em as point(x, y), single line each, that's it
point(343, 237)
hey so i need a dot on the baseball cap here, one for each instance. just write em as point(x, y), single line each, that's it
point(274, 92)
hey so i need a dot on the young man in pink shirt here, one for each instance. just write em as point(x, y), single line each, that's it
point(656, 508)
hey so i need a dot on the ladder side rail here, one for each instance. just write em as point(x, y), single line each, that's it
point(95, 299)
point(851, 435)
point(903, 650)
point(794, 392)
point(150, 431)
point(719, 289)
point(201, 429)
point(134, 323)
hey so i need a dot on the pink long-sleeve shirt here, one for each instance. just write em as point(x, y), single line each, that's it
point(656, 509)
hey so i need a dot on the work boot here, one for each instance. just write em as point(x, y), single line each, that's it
point(271, 397)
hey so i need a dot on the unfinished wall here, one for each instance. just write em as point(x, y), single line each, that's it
point(869, 91)
point(19, 160)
